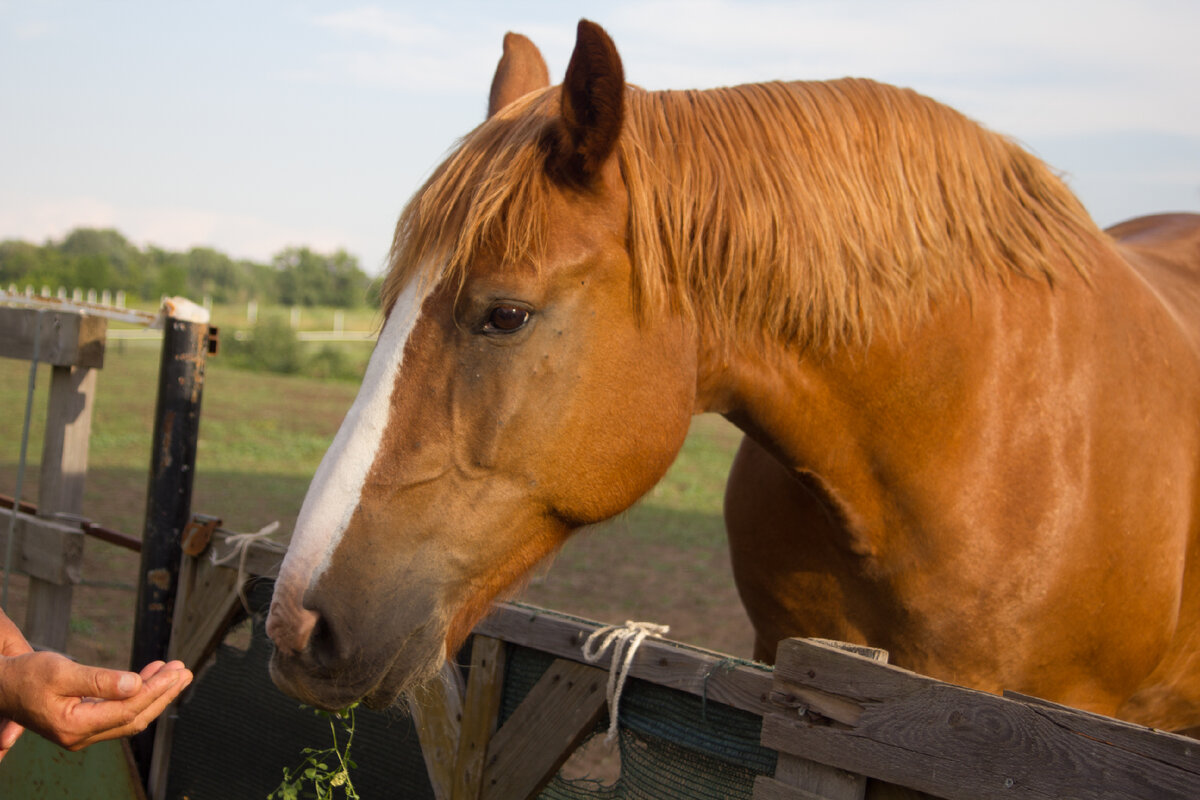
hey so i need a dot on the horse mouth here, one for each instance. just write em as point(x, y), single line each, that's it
point(335, 687)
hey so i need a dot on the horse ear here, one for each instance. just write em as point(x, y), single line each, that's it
point(521, 70)
point(593, 108)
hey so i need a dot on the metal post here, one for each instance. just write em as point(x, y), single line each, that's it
point(169, 496)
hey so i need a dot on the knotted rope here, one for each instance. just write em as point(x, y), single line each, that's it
point(627, 639)
point(239, 544)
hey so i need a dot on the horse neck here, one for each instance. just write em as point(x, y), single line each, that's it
point(874, 421)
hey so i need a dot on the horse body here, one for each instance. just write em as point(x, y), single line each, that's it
point(971, 425)
point(1003, 498)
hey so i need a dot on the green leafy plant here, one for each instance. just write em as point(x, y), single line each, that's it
point(272, 345)
point(324, 774)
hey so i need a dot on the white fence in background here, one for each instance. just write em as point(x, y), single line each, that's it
point(116, 300)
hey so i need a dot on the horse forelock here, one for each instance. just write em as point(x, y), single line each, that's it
point(490, 194)
point(815, 212)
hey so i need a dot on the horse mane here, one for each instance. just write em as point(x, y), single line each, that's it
point(816, 212)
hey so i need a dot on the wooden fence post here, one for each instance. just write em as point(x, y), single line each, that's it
point(73, 346)
point(60, 491)
point(169, 495)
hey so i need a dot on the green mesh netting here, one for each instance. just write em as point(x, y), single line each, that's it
point(672, 744)
point(235, 732)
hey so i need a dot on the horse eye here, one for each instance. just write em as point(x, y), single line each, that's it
point(507, 319)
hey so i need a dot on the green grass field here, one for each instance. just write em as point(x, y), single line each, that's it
point(261, 438)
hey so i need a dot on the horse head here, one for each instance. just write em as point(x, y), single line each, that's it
point(519, 389)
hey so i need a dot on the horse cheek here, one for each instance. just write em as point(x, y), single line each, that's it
point(633, 418)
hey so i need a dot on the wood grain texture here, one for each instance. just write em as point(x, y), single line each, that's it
point(810, 777)
point(672, 664)
point(559, 712)
point(50, 551)
point(771, 789)
point(481, 708)
point(60, 492)
point(960, 743)
point(60, 338)
point(437, 711)
point(820, 780)
point(206, 603)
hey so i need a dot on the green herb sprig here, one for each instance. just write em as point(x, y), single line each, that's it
point(324, 774)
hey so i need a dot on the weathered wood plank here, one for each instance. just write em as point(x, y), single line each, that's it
point(1169, 748)
point(60, 491)
point(55, 551)
point(50, 551)
point(437, 710)
point(65, 445)
point(821, 780)
point(770, 789)
point(62, 338)
point(560, 710)
point(903, 728)
point(206, 603)
point(677, 666)
point(481, 708)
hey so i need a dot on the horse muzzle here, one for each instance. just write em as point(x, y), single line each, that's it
point(330, 664)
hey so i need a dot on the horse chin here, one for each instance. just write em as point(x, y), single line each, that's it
point(316, 690)
point(335, 688)
point(397, 683)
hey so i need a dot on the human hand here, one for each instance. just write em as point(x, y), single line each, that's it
point(74, 705)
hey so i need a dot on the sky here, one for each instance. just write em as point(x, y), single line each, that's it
point(255, 125)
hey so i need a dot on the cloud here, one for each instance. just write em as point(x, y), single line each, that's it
point(32, 30)
point(394, 27)
point(1032, 67)
point(1044, 66)
point(394, 49)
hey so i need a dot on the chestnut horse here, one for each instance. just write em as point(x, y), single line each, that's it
point(971, 416)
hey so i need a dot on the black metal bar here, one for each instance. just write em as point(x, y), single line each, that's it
point(168, 499)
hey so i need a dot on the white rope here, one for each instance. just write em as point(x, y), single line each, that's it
point(239, 544)
point(627, 638)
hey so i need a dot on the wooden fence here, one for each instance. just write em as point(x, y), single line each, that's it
point(844, 723)
point(48, 546)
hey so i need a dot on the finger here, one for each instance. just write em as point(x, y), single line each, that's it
point(9, 733)
point(151, 669)
point(99, 721)
point(79, 680)
point(155, 667)
point(165, 675)
point(12, 641)
point(152, 711)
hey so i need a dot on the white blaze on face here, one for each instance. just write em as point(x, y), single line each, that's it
point(334, 493)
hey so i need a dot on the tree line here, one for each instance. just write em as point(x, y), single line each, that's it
point(94, 258)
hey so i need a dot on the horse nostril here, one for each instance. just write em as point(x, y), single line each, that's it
point(291, 627)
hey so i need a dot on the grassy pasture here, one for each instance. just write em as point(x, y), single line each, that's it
point(261, 438)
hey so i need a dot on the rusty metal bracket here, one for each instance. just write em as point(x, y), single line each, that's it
point(198, 534)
